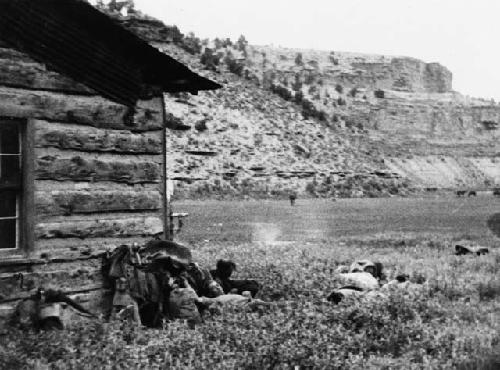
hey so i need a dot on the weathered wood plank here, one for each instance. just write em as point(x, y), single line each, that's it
point(62, 251)
point(74, 137)
point(61, 166)
point(75, 202)
point(52, 185)
point(92, 227)
point(87, 110)
point(35, 76)
point(74, 248)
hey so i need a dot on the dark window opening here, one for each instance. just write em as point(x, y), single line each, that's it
point(10, 183)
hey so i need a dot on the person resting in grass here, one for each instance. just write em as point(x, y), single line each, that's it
point(222, 274)
point(364, 278)
point(185, 304)
point(235, 300)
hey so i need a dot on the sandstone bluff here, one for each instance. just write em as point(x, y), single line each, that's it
point(322, 123)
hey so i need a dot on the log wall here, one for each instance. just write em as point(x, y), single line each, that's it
point(96, 173)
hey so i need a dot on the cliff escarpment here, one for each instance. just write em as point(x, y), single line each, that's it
point(403, 108)
point(321, 123)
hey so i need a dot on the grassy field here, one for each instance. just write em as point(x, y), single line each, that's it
point(451, 320)
point(314, 220)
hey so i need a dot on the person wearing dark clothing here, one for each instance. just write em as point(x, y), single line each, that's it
point(222, 274)
point(293, 197)
point(201, 280)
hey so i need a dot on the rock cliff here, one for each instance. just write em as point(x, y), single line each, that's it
point(321, 123)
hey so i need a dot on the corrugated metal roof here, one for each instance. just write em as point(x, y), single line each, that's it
point(75, 39)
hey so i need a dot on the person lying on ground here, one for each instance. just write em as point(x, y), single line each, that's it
point(236, 300)
point(222, 274)
point(364, 278)
point(400, 282)
point(201, 280)
point(185, 304)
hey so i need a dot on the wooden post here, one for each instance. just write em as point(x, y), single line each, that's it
point(167, 234)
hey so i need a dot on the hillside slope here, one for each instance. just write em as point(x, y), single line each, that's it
point(427, 132)
point(321, 123)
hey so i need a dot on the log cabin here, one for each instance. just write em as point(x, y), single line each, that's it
point(82, 142)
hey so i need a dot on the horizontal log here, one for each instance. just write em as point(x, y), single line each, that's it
point(87, 110)
point(74, 137)
point(49, 185)
point(78, 227)
point(62, 251)
point(62, 166)
point(75, 202)
point(35, 76)
point(75, 248)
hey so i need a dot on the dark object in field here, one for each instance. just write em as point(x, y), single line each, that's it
point(292, 197)
point(472, 193)
point(338, 295)
point(496, 192)
point(222, 274)
point(461, 193)
point(461, 250)
point(402, 278)
point(335, 297)
point(494, 224)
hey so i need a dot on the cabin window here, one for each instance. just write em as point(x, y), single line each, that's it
point(10, 183)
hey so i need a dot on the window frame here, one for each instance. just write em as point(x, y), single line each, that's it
point(25, 215)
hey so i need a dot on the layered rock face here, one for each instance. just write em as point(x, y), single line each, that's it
point(401, 105)
point(322, 123)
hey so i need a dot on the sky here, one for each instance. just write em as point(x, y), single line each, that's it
point(463, 35)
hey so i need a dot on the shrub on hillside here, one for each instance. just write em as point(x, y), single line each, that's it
point(282, 91)
point(333, 60)
point(339, 88)
point(209, 59)
point(235, 66)
point(380, 94)
point(299, 96)
point(242, 44)
point(297, 84)
point(310, 78)
point(299, 59)
point(191, 44)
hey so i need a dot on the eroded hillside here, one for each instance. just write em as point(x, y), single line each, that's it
point(321, 123)
point(426, 132)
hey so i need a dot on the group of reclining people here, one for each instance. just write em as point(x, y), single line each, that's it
point(160, 281)
point(172, 286)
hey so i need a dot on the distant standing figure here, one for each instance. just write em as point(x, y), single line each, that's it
point(293, 197)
